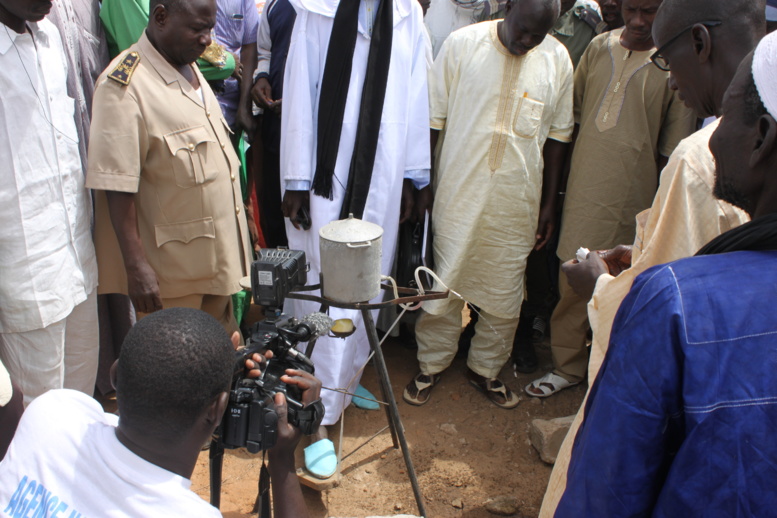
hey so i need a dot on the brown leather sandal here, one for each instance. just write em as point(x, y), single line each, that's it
point(496, 391)
point(419, 389)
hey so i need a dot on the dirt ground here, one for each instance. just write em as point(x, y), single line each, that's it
point(465, 451)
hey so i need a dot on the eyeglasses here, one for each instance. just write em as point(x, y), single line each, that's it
point(660, 61)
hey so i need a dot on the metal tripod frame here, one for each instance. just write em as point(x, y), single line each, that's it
point(392, 411)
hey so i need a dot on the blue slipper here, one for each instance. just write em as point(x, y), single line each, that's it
point(364, 399)
point(320, 459)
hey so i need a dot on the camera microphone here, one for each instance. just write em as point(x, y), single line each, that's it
point(314, 325)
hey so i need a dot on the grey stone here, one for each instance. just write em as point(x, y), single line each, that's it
point(547, 435)
point(449, 428)
point(502, 505)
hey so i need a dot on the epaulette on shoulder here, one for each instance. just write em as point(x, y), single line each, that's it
point(589, 16)
point(126, 67)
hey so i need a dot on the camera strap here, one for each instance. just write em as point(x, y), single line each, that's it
point(262, 504)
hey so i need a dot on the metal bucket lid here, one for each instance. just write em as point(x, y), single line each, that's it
point(351, 230)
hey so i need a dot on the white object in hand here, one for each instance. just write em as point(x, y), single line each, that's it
point(582, 254)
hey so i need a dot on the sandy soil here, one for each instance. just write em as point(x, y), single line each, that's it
point(465, 451)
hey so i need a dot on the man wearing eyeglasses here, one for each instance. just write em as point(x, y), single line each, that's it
point(702, 55)
point(680, 421)
point(628, 122)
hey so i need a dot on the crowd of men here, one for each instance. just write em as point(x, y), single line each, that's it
point(602, 167)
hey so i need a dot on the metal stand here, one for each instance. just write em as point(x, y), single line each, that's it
point(392, 411)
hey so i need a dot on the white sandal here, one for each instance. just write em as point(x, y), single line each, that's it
point(548, 385)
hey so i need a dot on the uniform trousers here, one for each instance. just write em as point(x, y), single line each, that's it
point(568, 328)
point(438, 339)
point(61, 355)
point(217, 306)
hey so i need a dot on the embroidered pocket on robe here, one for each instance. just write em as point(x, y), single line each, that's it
point(528, 117)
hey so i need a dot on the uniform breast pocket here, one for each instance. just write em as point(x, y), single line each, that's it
point(191, 151)
point(528, 117)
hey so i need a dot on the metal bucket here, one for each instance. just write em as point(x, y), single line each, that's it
point(351, 251)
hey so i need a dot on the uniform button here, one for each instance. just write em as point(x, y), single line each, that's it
point(223, 146)
point(237, 210)
point(207, 113)
point(191, 146)
point(233, 177)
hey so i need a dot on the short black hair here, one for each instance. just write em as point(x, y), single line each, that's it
point(754, 107)
point(172, 365)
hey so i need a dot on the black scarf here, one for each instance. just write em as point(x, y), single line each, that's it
point(760, 235)
point(334, 93)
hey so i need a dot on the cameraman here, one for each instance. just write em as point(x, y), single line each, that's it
point(172, 381)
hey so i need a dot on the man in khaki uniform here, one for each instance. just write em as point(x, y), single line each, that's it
point(160, 149)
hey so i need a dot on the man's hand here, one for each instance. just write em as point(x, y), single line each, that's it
point(288, 435)
point(408, 201)
point(245, 120)
point(143, 288)
point(292, 202)
point(546, 226)
point(261, 93)
point(617, 259)
point(582, 276)
point(424, 202)
point(256, 363)
point(238, 73)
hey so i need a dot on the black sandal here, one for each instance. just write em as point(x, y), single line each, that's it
point(496, 391)
point(419, 389)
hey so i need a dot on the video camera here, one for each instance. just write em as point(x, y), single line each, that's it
point(251, 420)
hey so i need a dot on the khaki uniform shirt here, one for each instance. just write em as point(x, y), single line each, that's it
point(155, 137)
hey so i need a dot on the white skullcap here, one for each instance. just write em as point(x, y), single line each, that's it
point(765, 72)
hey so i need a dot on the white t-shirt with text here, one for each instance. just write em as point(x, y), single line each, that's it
point(65, 461)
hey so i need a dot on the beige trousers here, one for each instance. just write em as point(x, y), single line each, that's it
point(568, 328)
point(438, 341)
point(217, 306)
point(62, 355)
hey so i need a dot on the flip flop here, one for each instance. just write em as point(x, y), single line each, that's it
point(496, 391)
point(548, 385)
point(364, 399)
point(419, 389)
point(321, 459)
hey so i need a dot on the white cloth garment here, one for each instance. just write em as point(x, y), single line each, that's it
point(765, 72)
point(6, 389)
point(496, 112)
point(64, 354)
point(47, 260)
point(403, 152)
point(65, 460)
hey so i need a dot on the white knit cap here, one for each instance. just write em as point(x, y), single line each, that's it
point(765, 72)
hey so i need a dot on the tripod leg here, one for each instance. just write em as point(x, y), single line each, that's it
point(216, 457)
point(393, 411)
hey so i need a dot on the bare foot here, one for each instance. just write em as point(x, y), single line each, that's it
point(320, 434)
